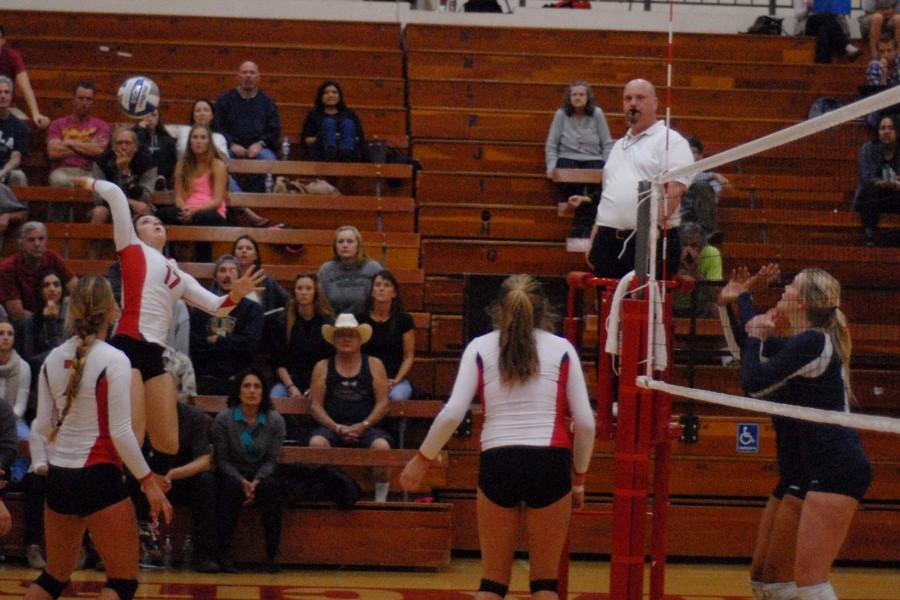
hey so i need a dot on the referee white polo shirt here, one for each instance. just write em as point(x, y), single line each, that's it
point(636, 158)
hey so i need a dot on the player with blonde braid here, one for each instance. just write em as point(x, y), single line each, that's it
point(84, 416)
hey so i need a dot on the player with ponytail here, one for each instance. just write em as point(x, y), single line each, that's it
point(811, 368)
point(536, 441)
point(84, 416)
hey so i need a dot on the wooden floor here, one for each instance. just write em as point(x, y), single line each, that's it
point(589, 581)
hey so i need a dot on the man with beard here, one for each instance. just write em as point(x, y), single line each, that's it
point(223, 346)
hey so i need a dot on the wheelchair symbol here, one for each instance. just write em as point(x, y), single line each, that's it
point(748, 437)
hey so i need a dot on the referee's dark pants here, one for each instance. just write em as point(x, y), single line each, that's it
point(607, 248)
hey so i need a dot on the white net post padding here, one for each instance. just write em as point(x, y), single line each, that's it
point(818, 415)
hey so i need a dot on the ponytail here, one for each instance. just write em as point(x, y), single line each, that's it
point(822, 293)
point(520, 309)
point(89, 311)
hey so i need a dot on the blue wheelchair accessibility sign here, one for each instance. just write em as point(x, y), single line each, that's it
point(748, 437)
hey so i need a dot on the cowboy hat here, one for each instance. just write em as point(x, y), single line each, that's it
point(347, 321)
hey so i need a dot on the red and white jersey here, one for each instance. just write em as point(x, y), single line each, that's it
point(551, 409)
point(151, 283)
point(98, 427)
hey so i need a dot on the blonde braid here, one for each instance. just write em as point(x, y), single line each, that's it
point(89, 311)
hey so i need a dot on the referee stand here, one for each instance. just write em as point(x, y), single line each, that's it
point(639, 422)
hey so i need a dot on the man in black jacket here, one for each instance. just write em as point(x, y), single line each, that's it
point(222, 346)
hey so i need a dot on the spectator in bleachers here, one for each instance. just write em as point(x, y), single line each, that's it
point(827, 22)
point(579, 138)
point(15, 385)
point(194, 485)
point(221, 346)
point(347, 277)
point(131, 169)
point(201, 177)
point(15, 374)
point(249, 120)
point(298, 339)
point(701, 200)
point(19, 272)
point(700, 261)
point(884, 68)
point(331, 131)
point(879, 19)
point(154, 139)
point(247, 438)
point(13, 138)
point(202, 113)
point(879, 179)
point(349, 396)
point(44, 330)
point(8, 452)
point(393, 339)
point(273, 296)
point(12, 66)
point(76, 141)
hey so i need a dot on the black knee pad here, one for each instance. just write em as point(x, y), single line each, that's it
point(160, 462)
point(493, 587)
point(50, 584)
point(125, 588)
point(544, 585)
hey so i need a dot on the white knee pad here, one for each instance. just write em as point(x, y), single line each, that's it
point(757, 587)
point(786, 590)
point(821, 591)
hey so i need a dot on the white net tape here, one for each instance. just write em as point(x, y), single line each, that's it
point(817, 415)
point(793, 133)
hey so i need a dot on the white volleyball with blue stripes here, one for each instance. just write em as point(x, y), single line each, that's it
point(138, 96)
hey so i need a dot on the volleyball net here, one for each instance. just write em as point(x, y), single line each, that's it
point(786, 198)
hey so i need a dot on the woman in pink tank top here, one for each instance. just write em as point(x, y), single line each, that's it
point(201, 178)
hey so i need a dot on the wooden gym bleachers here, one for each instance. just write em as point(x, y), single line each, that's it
point(473, 104)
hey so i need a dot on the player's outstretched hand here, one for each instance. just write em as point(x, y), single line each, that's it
point(251, 281)
point(766, 276)
point(737, 285)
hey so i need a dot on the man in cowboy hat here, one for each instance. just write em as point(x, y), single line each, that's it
point(349, 395)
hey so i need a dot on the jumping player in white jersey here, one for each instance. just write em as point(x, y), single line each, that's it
point(151, 285)
point(536, 441)
point(84, 417)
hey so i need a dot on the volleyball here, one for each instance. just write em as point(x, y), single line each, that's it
point(138, 96)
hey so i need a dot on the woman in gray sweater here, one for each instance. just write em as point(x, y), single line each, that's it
point(579, 138)
point(347, 278)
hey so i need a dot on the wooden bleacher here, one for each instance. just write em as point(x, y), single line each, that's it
point(480, 100)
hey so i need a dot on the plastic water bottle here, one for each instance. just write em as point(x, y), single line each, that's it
point(167, 553)
point(285, 148)
point(187, 553)
point(270, 183)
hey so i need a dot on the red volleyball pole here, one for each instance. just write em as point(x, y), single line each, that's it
point(641, 428)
